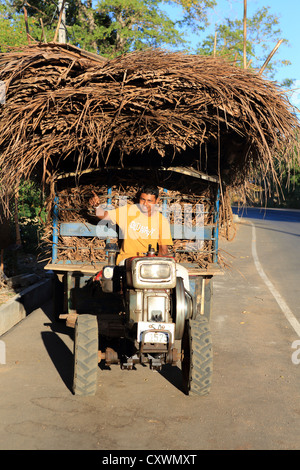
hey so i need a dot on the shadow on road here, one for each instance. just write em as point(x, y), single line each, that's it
point(263, 227)
point(60, 355)
point(173, 375)
point(260, 213)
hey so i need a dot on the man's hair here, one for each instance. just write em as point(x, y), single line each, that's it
point(147, 189)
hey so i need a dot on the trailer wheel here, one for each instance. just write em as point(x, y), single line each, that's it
point(85, 355)
point(197, 362)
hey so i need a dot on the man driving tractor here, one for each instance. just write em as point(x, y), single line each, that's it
point(141, 225)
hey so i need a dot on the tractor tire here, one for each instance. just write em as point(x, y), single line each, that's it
point(85, 355)
point(197, 359)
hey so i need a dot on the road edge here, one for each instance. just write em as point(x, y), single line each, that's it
point(20, 306)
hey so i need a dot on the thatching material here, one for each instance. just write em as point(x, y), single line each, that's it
point(181, 207)
point(65, 110)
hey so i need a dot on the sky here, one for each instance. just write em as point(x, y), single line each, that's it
point(288, 12)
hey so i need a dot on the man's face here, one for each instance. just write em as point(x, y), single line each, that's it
point(147, 203)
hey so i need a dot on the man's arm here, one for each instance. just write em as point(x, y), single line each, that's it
point(99, 211)
point(163, 250)
point(165, 238)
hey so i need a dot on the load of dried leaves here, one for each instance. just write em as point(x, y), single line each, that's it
point(67, 110)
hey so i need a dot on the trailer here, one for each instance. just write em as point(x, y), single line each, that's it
point(144, 108)
point(111, 307)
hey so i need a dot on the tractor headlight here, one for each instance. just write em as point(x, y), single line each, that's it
point(155, 271)
point(108, 272)
point(151, 273)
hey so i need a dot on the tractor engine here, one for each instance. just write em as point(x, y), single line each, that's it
point(149, 284)
point(149, 281)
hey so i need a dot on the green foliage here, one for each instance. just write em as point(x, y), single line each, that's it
point(288, 195)
point(12, 27)
point(31, 203)
point(107, 27)
point(136, 24)
point(32, 215)
point(263, 33)
point(193, 12)
point(82, 23)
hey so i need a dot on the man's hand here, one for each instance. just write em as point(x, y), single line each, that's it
point(99, 211)
point(94, 200)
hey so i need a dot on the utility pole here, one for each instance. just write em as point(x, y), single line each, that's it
point(245, 34)
point(62, 36)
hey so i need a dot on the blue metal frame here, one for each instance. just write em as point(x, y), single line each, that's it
point(109, 197)
point(164, 204)
point(79, 229)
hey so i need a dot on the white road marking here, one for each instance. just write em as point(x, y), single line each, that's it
point(281, 302)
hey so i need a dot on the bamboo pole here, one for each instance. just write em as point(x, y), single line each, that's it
point(270, 56)
point(215, 44)
point(43, 31)
point(26, 24)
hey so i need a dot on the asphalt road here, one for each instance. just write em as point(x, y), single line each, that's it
point(278, 249)
point(254, 402)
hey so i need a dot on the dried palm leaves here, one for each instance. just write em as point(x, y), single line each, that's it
point(66, 110)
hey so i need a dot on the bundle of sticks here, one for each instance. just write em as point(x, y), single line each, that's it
point(178, 207)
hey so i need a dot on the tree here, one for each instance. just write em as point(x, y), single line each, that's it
point(82, 23)
point(12, 27)
point(108, 27)
point(263, 33)
point(137, 24)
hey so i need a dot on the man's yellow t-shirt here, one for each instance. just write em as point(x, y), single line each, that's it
point(138, 230)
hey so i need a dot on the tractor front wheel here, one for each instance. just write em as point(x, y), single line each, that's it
point(197, 357)
point(85, 355)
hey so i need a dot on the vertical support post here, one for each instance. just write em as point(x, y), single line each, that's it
point(61, 28)
point(62, 36)
point(216, 228)
point(245, 35)
point(164, 205)
point(55, 230)
point(109, 196)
